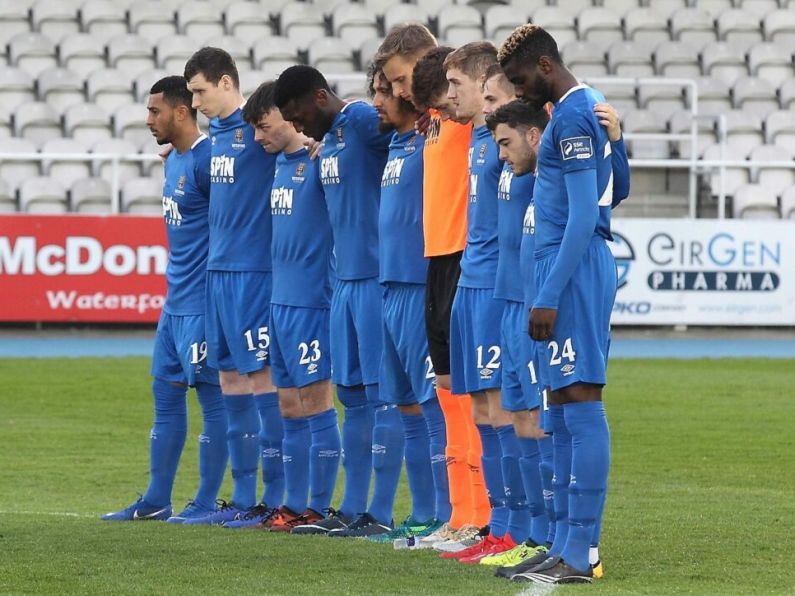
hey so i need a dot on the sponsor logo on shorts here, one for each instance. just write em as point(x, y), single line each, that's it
point(262, 355)
point(311, 369)
point(567, 369)
point(486, 373)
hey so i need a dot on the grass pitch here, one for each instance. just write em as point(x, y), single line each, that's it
point(702, 493)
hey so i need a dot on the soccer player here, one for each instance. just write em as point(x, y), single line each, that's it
point(407, 376)
point(352, 159)
point(475, 354)
point(179, 359)
point(299, 322)
point(413, 65)
point(239, 285)
point(575, 275)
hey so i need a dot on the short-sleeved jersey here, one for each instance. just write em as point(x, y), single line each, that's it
point(352, 159)
point(527, 259)
point(573, 140)
point(445, 185)
point(302, 242)
point(401, 253)
point(479, 263)
point(513, 196)
point(241, 174)
point(186, 204)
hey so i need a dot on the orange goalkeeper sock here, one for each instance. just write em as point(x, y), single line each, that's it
point(456, 452)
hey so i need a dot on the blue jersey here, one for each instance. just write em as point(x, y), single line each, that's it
point(352, 159)
point(302, 244)
point(241, 173)
point(527, 259)
point(479, 263)
point(573, 140)
point(186, 203)
point(513, 196)
point(401, 241)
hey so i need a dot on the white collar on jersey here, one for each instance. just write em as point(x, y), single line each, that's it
point(570, 91)
point(202, 136)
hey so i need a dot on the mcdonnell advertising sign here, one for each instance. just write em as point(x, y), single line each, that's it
point(704, 272)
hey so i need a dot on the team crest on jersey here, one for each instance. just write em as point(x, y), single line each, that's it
point(340, 142)
point(410, 148)
point(482, 154)
point(180, 190)
point(298, 177)
point(238, 144)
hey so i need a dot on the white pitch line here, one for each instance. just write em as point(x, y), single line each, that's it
point(533, 589)
point(50, 513)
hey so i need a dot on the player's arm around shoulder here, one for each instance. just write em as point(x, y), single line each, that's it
point(364, 119)
point(202, 155)
point(609, 118)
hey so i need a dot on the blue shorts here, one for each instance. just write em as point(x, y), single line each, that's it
point(238, 315)
point(180, 354)
point(356, 326)
point(299, 345)
point(407, 375)
point(475, 352)
point(520, 387)
point(577, 351)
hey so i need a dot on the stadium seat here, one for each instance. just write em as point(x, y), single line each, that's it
point(14, 172)
point(713, 7)
point(32, 52)
point(129, 123)
point(66, 170)
point(103, 18)
point(354, 23)
point(713, 96)
point(16, 87)
point(60, 88)
point(199, 20)
point(144, 81)
point(788, 203)
point(15, 18)
point(774, 178)
point(248, 21)
point(758, 7)
point(250, 80)
point(332, 55)
point(631, 59)
point(754, 201)
point(379, 7)
point(238, 48)
point(647, 25)
point(576, 6)
point(786, 94)
point(131, 54)
point(585, 58)
point(645, 121)
point(771, 61)
point(744, 129)
point(404, 13)
point(679, 123)
point(780, 129)
point(736, 176)
point(501, 20)
point(302, 23)
point(739, 27)
point(56, 20)
point(173, 51)
point(368, 50)
point(274, 54)
point(87, 122)
point(676, 59)
point(599, 24)
point(558, 21)
point(8, 200)
point(665, 7)
point(693, 26)
point(90, 195)
point(151, 20)
point(142, 196)
point(779, 26)
point(754, 94)
point(103, 168)
point(81, 54)
point(42, 194)
point(109, 88)
point(620, 6)
point(37, 122)
point(460, 24)
point(327, 7)
point(722, 60)
point(622, 97)
point(662, 99)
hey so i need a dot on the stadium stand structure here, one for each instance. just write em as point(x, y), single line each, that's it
point(74, 75)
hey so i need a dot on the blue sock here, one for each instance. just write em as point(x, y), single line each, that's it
point(271, 435)
point(324, 458)
point(518, 510)
point(166, 440)
point(213, 448)
point(529, 464)
point(418, 466)
point(492, 474)
point(243, 437)
point(437, 433)
point(296, 448)
point(357, 448)
point(561, 445)
point(547, 471)
point(387, 462)
point(590, 465)
point(597, 529)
